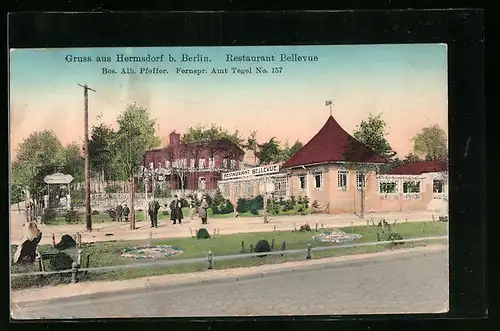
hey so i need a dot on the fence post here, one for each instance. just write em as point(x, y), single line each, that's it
point(40, 265)
point(308, 256)
point(251, 248)
point(272, 243)
point(74, 270)
point(150, 240)
point(54, 240)
point(210, 261)
point(80, 252)
point(378, 236)
point(242, 246)
point(316, 228)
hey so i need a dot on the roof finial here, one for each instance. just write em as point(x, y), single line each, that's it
point(329, 103)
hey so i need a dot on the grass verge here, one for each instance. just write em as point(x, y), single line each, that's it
point(109, 253)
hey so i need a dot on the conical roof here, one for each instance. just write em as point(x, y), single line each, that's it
point(333, 144)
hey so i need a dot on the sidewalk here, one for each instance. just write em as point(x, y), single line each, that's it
point(121, 231)
point(107, 288)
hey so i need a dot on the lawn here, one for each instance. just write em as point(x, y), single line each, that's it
point(109, 253)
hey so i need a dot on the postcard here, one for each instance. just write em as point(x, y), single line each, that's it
point(228, 181)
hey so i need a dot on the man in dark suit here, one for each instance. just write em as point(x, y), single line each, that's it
point(153, 208)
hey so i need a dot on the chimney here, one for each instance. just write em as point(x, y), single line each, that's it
point(175, 138)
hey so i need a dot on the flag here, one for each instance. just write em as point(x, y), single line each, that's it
point(328, 103)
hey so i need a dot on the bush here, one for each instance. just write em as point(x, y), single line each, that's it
point(66, 242)
point(243, 206)
point(165, 212)
point(60, 261)
point(202, 234)
point(254, 210)
point(395, 236)
point(262, 246)
point(305, 227)
point(315, 204)
point(288, 205)
point(113, 188)
point(95, 212)
point(71, 216)
point(293, 200)
point(48, 215)
point(220, 205)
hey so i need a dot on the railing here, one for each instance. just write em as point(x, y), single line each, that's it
point(210, 259)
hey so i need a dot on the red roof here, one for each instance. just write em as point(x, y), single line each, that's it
point(333, 144)
point(418, 168)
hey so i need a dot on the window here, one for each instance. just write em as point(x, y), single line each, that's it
point(167, 164)
point(360, 180)
point(303, 182)
point(437, 186)
point(318, 180)
point(224, 163)
point(388, 187)
point(183, 163)
point(342, 179)
point(202, 164)
point(211, 162)
point(233, 164)
point(411, 187)
point(193, 163)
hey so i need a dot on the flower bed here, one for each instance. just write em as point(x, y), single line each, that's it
point(151, 252)
point(336, 237)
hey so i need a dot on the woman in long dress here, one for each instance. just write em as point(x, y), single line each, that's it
point(202, 211)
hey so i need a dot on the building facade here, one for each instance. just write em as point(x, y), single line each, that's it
point(191, 167)
point(337, 171)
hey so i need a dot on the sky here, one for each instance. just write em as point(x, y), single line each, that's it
point(406, 83)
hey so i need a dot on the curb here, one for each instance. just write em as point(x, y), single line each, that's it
point(179, 285)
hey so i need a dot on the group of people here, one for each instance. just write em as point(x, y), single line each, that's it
point(176, 215)
point(122, 212)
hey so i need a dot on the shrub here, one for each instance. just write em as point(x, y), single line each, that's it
point(220, 205)
point(66, 242)
point(202, 234)
point(165, 212)
point(113, 188)
point(71, 216)
point(48, 215)
point(254, 210)
point(262, 246)
point(258, 202)
point(304, 228)
point(61, 261)
point(243, 206)
point(288, 205)
point(315, 204)
point(293, 200)
point(95, 212)
point(305, 201)
point(395, 236)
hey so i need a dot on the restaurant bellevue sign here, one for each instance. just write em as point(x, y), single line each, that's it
point(264, 170)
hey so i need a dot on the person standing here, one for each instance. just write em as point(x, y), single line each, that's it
point(153, 212)
point(126, 212)
point(176, 210)
point(202, 211)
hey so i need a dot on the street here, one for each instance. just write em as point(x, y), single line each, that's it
point(410, 284)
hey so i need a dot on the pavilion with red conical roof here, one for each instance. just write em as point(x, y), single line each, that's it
point(326, 171)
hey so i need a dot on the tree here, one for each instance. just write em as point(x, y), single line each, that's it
point(431, 143)
point(269, 152)
point(135, 136)
point(287, 152)
point(101, 154)
point(16, 195)
point(411, 158)
point(73, 162)
point(372, 132)
point(251, 144)
point(39, 155)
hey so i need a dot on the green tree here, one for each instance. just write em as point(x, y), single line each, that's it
point(269, 152)
point(372, 132)
point(39, 155)
point(16, 195)
point(73, 162)
point(135, 136)
point(251, 144)
point(410, 158)
point(431, 143)
point(287, 152)
point(101, 154)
